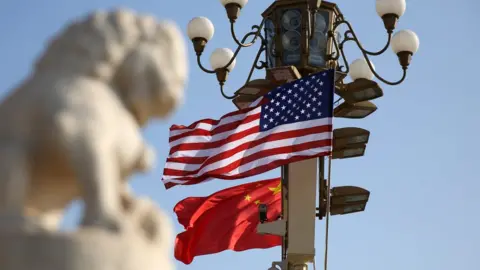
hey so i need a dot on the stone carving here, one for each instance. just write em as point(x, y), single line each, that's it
point(72, 130)
point(91, 248)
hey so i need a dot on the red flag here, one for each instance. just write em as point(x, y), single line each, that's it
point(227, 220)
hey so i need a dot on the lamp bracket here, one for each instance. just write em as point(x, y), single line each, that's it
point(349, 35)
point(277, 227)
point(257, 63)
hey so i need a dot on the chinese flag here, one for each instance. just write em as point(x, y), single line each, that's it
point(227, 220)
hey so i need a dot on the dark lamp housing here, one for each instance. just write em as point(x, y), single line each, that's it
point(345, 137)
point(356, 150)
point(258, 87)
point(354, 111)
point(359, 90)
point(242, 102)
point(348, 200)
point(251, 92)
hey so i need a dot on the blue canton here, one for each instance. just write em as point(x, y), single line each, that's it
point(306, 99)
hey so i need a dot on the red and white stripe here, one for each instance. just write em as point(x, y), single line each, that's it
point(233, 147)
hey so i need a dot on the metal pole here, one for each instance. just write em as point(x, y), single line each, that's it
point(327, 212)
point(284, 171)
point(321, 178)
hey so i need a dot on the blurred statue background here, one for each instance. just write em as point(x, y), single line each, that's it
point(72, 130)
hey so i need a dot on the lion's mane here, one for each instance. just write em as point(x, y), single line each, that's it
point(113, 34)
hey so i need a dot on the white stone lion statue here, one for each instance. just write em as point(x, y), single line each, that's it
point(72, 128)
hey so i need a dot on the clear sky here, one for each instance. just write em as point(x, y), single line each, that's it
point(422, 160)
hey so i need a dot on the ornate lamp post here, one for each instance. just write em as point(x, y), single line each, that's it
point(304, 34)
point(297, 38)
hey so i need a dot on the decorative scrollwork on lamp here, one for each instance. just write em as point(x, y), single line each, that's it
point(305, 35)
point(404, 43)
point(201, 30)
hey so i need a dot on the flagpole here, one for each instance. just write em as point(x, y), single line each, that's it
point(284, 179)
point(327, 212)
point(302, 171)
point(327, 208)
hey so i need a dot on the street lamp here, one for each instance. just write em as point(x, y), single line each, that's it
point(346, 137)
point(304, 34)
point(348, 200)
point(343, 200)
point(251, 91)
point(298, 38)
point(349, 142)
point(362, 88)
point(354, 111)
point(356, 150)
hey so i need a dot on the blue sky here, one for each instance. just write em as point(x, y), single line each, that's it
point(420, 165)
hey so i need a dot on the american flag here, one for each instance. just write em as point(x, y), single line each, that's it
point(293, 122)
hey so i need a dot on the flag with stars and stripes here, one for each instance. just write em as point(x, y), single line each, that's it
point(292, 122)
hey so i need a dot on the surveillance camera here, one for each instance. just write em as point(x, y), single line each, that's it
point(262, 212)
point(278, 265)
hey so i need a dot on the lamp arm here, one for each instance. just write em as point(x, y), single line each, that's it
point(372, 69)
point(213, 72)
point(338, 51)
point(223, 93)
point(199, 62)
point(404, 75)
point(257, 64)
point(339, 48)
point(351, 36)
point(257, 29)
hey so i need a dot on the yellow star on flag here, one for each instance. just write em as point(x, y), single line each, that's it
point(248, 198)
point(276, 189)
point(257, 202)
